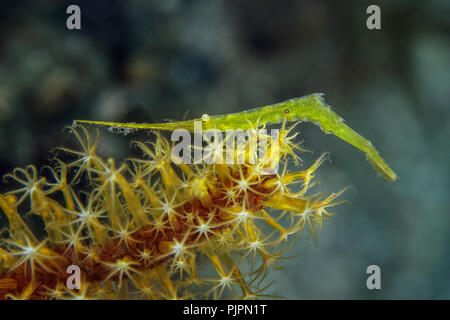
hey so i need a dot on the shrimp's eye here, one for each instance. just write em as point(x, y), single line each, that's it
point(205, 117)
point(286, 111)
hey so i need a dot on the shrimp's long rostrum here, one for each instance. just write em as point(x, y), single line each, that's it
point(310, 108)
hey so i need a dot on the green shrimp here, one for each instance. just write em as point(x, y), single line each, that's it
point(311, 108)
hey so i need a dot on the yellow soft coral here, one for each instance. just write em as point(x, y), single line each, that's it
point(138, 230)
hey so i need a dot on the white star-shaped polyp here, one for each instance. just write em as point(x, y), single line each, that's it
point(159, 225)
point(29, 254)
point(123, 233)
point(225, 281)
point(305, 215)
point(180, 265)
point(28, 178)
point(243, 185)
point(86, 215)
point(72, 240)
point(203, 228)
point(122, 267)
point(168, 206)
point(145, 254)
point(29, 251)
point(255, 245)
point(243, 216)
point(85, 218)
point(178, 248)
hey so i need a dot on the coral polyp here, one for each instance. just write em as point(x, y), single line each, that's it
point(155, 228)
